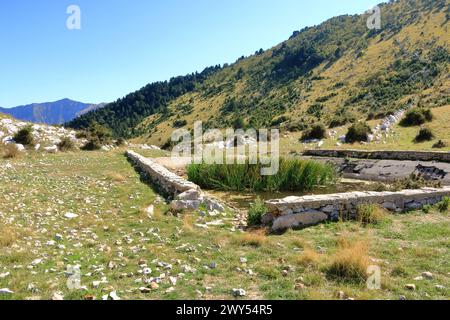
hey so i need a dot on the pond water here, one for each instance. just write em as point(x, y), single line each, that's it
point(243, 200)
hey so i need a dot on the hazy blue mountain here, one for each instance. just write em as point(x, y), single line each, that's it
point(57, 112)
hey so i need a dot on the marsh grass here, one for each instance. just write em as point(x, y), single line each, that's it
point(293, 175)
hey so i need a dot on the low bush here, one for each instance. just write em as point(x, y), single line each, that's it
point(425, 134)
point(444, 205)
point(179, 123)
point(317, 131)
point(25, 137)
point(440, 145)
point(256, 211)
point(358, 132)
point(97, 136)
point(66, 144)
point(416, 117)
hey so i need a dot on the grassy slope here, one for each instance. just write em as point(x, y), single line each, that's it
point(351, 69)
point(104, 190)
point(400, 138)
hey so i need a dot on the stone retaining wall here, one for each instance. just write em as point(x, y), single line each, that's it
point(298, 212)
point(186, 195)
point(385, 155)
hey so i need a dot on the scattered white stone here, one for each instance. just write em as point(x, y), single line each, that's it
point(70, 215)
point(411, 287)
point(57, 296)
point(427, 275)
point(6, 291)
point(239, 293)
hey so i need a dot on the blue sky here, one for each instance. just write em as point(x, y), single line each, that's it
point(125, 44)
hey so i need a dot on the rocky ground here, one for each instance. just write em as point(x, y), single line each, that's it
point(90, 211)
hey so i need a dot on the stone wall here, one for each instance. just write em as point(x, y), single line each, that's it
point(298, 212)
point(185, 194)
point(386, 155)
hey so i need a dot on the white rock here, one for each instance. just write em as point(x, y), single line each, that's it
point(113, 295)
point(6, 291)
point(70, 215)
point(239, 293)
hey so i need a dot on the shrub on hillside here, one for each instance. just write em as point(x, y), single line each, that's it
point(66, 144)
point(444, 205)
point(416, 117)
point(317, 131)
point(425, 134)
point(25, 137)
point(256, 211)
point(97, 136)
point(440, 145)
point(358, 132)
point(179, 123)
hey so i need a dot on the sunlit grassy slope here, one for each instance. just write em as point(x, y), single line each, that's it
point(355, 83)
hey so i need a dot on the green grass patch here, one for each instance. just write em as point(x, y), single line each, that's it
point(293, 175)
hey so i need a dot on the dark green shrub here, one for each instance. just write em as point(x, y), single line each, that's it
point(120, 142)
point(317, 131)
point(256, 212)
point(358, 132)
point(97, 136)
point(416, 117)
point(25, 137)
point(425, 134)
point(179, 123)
point(444, 205)
point(440, 145)
point(66, 144)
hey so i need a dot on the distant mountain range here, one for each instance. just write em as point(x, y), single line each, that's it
point(57, 112)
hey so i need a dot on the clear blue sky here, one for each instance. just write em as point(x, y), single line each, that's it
point(125, 44)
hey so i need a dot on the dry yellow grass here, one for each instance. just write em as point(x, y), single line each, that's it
point(116, 177)
point(308, 257)
point(350, 261)
point(7, 236)
point(255, 238)
point(370, 214)
point(9, 151)
point(188, 221)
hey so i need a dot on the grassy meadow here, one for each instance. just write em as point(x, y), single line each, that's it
point(115, 239)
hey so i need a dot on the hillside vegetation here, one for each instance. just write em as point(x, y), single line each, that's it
point(335, 73)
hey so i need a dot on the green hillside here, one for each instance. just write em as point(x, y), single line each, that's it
point(335, 73)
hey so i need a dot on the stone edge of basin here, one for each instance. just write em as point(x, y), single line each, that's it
point(186, 194)
point(299, 212)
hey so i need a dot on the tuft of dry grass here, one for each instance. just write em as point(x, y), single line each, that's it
point(188, 223)
point(370, 214)
point(7, 236)
point(254, 239)
point(308, 257)
point(10, 151)
point(116, 177)
point(350, 261)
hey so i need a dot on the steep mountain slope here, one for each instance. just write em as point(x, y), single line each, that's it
point(335, 73)
point(57, 112)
